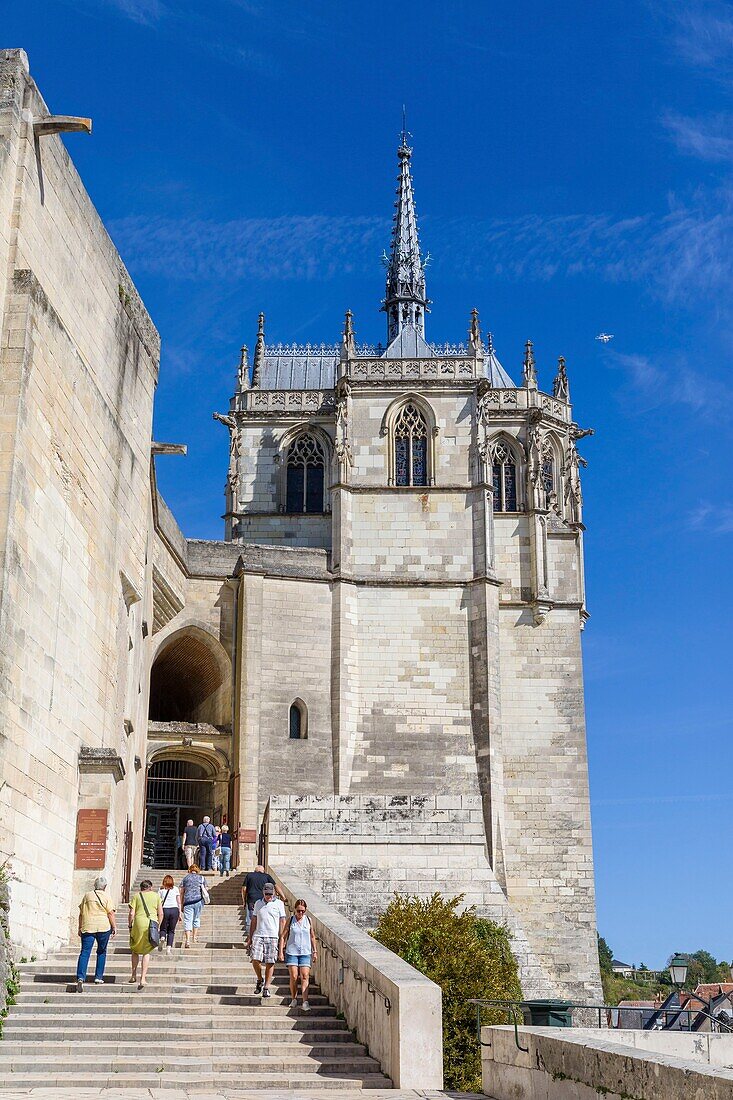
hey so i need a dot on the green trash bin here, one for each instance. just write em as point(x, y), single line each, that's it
point(548, 1014)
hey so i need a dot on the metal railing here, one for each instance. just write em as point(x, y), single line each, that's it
point(658, 1019)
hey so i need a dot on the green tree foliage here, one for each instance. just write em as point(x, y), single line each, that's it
point(605, 955)
point(467, 957)
point(703, 968)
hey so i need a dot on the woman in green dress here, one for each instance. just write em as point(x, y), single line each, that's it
point(139, 922)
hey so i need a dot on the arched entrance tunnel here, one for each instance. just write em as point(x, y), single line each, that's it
point(190, 720)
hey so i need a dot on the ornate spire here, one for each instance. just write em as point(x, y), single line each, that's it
point(530, 373)
point(561, 386)
point(259, 356)
point(405, 302)
point(348, 344)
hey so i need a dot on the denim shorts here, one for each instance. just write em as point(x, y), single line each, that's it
point(297, 960)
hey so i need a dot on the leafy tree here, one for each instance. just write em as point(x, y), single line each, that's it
point(468, 957)
point(605, 955)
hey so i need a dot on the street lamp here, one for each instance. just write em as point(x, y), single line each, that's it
point(678, 970)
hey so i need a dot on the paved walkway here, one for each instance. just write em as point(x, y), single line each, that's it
point(231, 1094)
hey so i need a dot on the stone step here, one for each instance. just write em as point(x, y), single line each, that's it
point(192, 1080)
point(155, 1062)
point(247, 1047)
point(219, 1037)
point(195, 1001)
point(295, 1021)
point(149, 1006)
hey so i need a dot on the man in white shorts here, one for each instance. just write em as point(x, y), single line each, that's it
point(265, 929)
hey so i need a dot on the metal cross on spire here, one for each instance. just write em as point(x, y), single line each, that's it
point(405, 301)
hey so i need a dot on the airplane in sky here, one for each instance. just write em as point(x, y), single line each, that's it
point(605, 337)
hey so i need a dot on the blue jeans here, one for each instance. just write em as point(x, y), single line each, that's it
point(88, 940)
point(207, 851)
point(225, 860)
point(192, 916)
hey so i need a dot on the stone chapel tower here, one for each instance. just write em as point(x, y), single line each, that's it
point(409, 602)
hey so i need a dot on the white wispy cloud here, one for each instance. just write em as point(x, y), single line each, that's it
point(715, 519)
point(704, 33)
point(674, 383)
point(683, 254)
point(706, 138)
point(147, 12)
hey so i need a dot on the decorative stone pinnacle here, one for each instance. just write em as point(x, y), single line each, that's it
point(243, 373)
point(348, 344)
point(530, 372)
point(259, 355)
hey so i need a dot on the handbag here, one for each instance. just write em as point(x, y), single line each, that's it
point(153, 926)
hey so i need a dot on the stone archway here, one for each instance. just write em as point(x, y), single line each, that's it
point(189, 740)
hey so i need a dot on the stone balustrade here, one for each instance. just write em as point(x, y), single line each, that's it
point(394, 1010)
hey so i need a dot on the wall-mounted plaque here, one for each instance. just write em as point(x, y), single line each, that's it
point(247, 836)
point(90, 851)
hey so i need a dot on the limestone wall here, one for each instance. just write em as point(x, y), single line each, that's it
point(78, 362)
point(549, 857)
point(413, 727)
point(357, 852)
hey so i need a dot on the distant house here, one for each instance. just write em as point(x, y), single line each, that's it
point(712, 1001)
point(623, 970)
point(635, 1014)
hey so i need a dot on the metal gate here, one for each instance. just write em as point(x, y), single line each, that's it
point(176, 791)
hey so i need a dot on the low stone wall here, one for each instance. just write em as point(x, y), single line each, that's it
point(360, 850)
point(394, 1010)
point(583, 1064)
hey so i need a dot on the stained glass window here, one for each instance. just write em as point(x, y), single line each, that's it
point(504, 479)
point(306, 466)
point(411, 447)
point(296, 722)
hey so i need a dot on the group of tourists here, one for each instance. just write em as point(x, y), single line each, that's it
point(207, 845)
point(153, 916)
point(272, 937)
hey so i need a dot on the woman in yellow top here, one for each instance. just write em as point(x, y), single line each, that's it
point(144, 907)
point(96, 924)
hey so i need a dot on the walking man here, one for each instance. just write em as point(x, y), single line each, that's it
point(252, 891)
point(206, 836)
point(265, 932)
point(190, 842)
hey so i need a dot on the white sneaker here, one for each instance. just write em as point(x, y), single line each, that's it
point(306, 1007)
point(294, 1003)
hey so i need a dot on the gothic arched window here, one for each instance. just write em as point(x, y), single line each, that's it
point(411, 447)
point(298, 721)
point(305, 468)
point(505, 479)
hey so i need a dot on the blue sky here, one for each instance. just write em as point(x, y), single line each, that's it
point(574, 173)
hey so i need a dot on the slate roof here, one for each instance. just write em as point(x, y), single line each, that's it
point(299, 367)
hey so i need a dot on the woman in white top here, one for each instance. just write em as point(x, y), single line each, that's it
point(298, 944)
point(171, 903)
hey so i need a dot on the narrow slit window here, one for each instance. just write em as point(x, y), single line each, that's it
point(297, 719)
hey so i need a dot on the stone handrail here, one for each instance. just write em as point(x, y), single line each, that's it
point(394, 1009)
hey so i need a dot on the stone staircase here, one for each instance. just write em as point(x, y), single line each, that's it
point(197, 1025)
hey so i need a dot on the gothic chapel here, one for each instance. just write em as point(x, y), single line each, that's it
point(411, 599)
point(375, 675)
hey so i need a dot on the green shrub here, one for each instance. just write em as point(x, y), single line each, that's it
point(467, 957)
